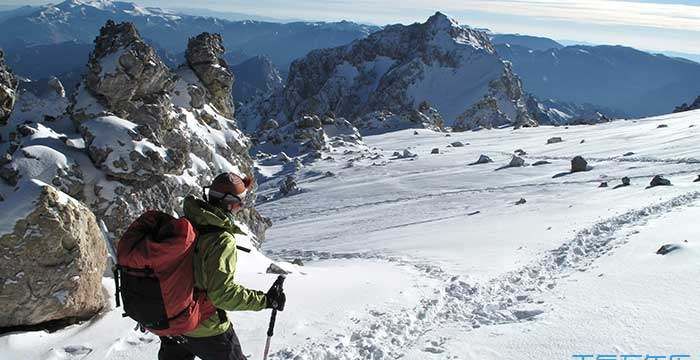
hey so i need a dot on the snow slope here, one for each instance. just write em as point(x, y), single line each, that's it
point(429, 258)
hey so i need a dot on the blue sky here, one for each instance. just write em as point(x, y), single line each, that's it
point(660, 25)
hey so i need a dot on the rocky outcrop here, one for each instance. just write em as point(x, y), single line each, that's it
point(8, 88)
point(123, 72)
point(483, 159)
point(659, 180)
point(687, 107)
point(311, 135)
point(58, 257)
point(205, 56)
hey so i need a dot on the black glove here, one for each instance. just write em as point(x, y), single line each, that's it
point(275, 297)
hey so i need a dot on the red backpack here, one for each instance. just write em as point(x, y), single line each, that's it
point(155, 275)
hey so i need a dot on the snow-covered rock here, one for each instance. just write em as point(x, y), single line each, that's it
point(58, 257)
point(483, 159)
point(394, 71)
point(134, 136)
point(8, 87)
point(310, 135)
point(659, 180)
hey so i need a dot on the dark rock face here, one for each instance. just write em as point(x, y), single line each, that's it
point(697, 180)
point(578, 164)
point(205, 56)
point(667, 248)
point(8, 89)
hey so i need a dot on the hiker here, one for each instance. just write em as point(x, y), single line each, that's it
point(214, 268)
point(176, 276)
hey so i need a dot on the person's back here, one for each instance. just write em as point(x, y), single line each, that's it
point(214, 264)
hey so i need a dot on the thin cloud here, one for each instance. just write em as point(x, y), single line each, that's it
point(604, 12)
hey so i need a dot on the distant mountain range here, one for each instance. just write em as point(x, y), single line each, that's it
point(622, 78)
point(41, 41)
point(78, 21)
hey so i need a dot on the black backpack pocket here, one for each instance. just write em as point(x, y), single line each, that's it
point(143, 300)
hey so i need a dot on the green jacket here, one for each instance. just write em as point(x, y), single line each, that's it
point(215, 266)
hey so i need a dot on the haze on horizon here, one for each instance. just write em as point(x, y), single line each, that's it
point(655, 25)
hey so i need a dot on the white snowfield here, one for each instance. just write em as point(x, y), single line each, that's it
point(430, 258)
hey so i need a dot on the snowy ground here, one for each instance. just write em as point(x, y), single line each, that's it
point(431, 259)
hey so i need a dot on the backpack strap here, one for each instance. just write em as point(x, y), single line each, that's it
point(209, 229)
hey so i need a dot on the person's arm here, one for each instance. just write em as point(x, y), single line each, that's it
point(222, 290)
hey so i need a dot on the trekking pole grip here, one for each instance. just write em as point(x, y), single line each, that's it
point(271, 327)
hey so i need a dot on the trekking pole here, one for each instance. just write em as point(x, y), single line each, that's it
point(271, 328)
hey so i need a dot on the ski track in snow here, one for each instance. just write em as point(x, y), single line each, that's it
point(508, 298)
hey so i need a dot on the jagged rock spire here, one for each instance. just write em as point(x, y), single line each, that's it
point(205, 56)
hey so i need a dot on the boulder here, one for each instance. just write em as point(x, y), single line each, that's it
point(8, 90)
point(521, 201)
point(457, 143)
point(483, 159)
point(435, 151)
point(541, 162)
point(697, 180)
point(58, 257)
point(667, 248)
point(516, 161)
point(695, 105)
point(298, 262)
point(407, 154)
point(603, 184)
point(554, 140)
point(288, 186)
point(205, 57)
point(626, 181)
point(276, 269)
point(661, 126)
point(578, 164)
point(520, 152)
point(659, 180)
point(629, 153)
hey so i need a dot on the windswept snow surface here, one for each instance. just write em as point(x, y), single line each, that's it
point(429, 258)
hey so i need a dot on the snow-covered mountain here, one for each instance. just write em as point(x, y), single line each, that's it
point(615, 77)
point(530, 42)
point(452, 69)
point(80, 20)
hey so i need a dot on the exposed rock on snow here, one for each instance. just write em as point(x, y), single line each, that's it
point(625, 182)
point(521, 201)
point(457, 144)
point(697, 180)
point(541, 162)
point(58, 257)
point(515, 161)
point(629, 153)
point(378, 122)
point(205, 56)
point(578, 164)
point(685, 107)
point(659, 180)
point(554, 140)
point(406, 154)
point(667, 248)
point(520, 152)
point(288, 186)
point(435, 151)
point(8, 89)
point(311, 135)
point(276, 269)
point(661, 126)
point(483, 159)
point(603, 184)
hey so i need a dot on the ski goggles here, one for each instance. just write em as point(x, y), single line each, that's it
point(226, 198)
